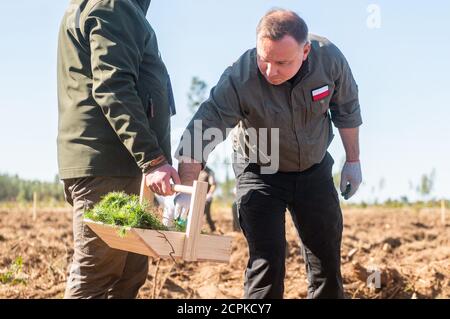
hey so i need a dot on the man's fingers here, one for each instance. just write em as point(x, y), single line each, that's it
point(157, 188)
point(149, 183)
point(343, 185)
point(165, 186)
point(352, 191)
point(160, 183)
point(175, 177)
point(170, 191)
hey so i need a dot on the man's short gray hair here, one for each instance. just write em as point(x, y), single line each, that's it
point(277, 23)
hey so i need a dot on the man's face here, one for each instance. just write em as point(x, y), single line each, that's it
point(280, 60)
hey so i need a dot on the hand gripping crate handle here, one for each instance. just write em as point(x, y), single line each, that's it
point(146, 193)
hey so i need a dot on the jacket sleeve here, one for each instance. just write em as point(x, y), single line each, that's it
point(344, 105)
point(117, 45)
point(212, 122)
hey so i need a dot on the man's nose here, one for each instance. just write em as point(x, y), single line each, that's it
point(271, 70)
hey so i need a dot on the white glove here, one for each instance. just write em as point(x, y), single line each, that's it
point(351, 178)
point(209, 197)
point(166, 202)
point(182, 203)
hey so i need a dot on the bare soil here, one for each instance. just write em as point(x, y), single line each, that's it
point(410, 249)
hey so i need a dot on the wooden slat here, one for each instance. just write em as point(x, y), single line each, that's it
point(131, 242)
point(157, 240)
point(195, 220)
point(210, 247)
point(214, 248)
point(146, 193)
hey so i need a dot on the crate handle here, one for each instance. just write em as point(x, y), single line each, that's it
point(148, 195)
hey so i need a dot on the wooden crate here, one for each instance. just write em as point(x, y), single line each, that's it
point(189, 246)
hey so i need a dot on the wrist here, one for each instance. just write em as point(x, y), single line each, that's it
point(352, 159)
point(189, 172)
point(154, 164)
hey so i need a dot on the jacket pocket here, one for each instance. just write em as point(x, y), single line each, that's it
point(319, 107)
point(318, 100)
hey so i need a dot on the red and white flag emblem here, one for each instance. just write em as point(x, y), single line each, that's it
point(320, 93)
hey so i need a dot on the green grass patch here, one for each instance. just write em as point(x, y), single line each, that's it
point(13, 275)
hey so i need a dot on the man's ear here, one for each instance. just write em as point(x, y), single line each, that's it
point(306, 50)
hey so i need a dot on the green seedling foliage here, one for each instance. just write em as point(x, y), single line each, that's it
point(125, 211)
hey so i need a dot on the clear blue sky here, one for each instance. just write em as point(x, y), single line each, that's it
point(402, 70)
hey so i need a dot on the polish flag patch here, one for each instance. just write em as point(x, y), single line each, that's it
point(320, 93)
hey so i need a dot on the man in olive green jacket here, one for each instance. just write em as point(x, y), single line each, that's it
point(115, 102)
point(292, 86)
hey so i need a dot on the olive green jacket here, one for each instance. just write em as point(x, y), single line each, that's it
point(326, 92)
point(114, 92)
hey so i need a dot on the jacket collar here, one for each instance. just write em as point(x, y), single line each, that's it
point(143, 4)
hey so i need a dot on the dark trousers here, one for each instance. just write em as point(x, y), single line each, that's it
point(236, 226)
point(312, 200)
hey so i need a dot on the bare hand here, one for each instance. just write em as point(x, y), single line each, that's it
point(159, 180)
